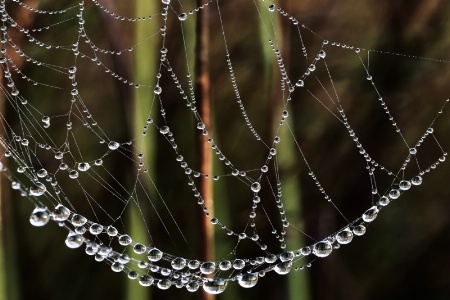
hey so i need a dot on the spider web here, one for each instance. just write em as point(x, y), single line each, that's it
point(81, 166)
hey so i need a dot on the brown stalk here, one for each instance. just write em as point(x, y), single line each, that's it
point(202, 86)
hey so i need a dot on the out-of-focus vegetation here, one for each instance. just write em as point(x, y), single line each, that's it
point(404, 253)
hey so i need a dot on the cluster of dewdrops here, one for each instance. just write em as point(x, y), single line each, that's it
point(150, 265)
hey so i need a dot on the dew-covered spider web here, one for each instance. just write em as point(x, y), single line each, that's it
point(99, 166)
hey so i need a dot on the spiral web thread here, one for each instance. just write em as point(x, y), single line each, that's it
point(44, 163)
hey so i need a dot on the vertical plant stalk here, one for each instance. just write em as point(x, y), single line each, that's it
point(202, 86)
point(116, 36)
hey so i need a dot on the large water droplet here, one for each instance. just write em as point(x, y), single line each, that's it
point(78, 220)
point(345, 236)
point(256, 187)
point(322, 249)
point(384, 201)
point(207, 267)
point(155, 254)
point(146, 280)
point(370, 214)
point(164, 129)
point(394, 194)
point(38, 189)
point(157, 90)
point(74, 240)
point(417, 180)
point(225, 265)
point(61, 213)
point(95, 229)
point(238, 264)
point(283, 267)
point(125, 240)
point(178, 263)
point(39, 217)
point(83, 166)
point(248, 280)
point(138, 248)
point(404, 185)
point(182, 17)
point(359, 230)
point(215, 285)
point(113, 145)
point(164, 284)
point(192, 286)
point(41, 173)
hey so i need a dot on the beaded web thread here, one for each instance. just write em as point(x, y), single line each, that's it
point(46, 165)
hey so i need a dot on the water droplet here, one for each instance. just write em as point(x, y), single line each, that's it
point(72, 70)
point(61, 213)
point(39, 217)
point(146, 280)
point(164, 284)
point(404, 185)
point(192, 286)
point(256, 187)
point(207, 267)
point(359, 230)
point(417, 180)
point(111, 231)
point(133, 275)
point(413, 151)
point(138, 248)
point(15, 185)
point(322, 249)
point(345, 236)
point(394, 193)
point(125, 240)
point(178, 263)
point(117, 267)
point(238, 264)
point(38, 189)
point(84, 166)
point(164, 129)
point(225, 265)
point(78, 220)
point(182, 17)
point(154, 254)
point(322, 54)
point(157, 90)
point(41, 173)
point(166, 2)
point(248, 280)
point(384, 201)
point(193, 264)
point(300, 83)
point(370, 214)
point(270, 259)
point(74, 240)
point(306, 250)
point(73, 174)
point(113, 145)
point(283, 267)
point(215, 285)
point(287, 256)
point(95, 229)
point(271, 7)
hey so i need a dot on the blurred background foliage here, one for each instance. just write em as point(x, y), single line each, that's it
point(404, 254)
